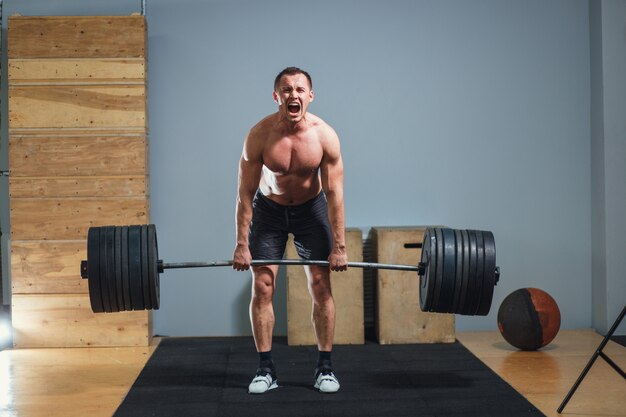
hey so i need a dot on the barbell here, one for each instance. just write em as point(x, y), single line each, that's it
point(457, 269)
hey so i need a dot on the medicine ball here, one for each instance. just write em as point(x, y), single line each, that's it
point(529, 318)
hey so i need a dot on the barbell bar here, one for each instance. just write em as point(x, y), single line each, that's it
point(263, 262)
point(457, 269)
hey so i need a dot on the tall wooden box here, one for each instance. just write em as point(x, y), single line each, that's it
point(78, 157)
point(398, 317)
point(347, 288)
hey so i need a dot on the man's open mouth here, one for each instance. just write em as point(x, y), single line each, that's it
point(293, 107)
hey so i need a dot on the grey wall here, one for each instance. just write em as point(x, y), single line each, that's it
point(608, 153)
point(470, 114)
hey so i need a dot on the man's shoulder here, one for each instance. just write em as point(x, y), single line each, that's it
point(316, 121)
point(324, 129)
point(265, 124)
point(260, 131)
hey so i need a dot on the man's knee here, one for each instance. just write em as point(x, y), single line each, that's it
point(263, 284)
point(319, 284)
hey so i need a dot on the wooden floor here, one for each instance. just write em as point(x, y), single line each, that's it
point(545, 376)
point(93, 381)
point(86, 382)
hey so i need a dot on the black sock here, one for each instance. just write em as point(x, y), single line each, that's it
point(265, 360)
point(265, 356)
point(324, 358)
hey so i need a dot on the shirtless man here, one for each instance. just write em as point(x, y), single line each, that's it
point(291, 181)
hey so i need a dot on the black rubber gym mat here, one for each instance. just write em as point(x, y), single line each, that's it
point(209, 377)
point(619, 339)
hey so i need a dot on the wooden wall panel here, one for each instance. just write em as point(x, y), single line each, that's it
point(76, 71)
point(78, 157)
point(78, 187)
point(66, 320)
point(78, 131)
point(43, 106)
point(77, 37)
point(44, 156)
point(70, 218)
point(49, 267)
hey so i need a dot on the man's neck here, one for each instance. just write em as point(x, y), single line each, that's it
point(293, 127)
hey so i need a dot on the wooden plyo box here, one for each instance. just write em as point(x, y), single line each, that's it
point(398, 317)
point(347, 288)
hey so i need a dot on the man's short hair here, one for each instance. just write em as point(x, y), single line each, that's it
point(292, 71)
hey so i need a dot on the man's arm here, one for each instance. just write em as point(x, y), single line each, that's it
point(331, 170)
point(250, 166)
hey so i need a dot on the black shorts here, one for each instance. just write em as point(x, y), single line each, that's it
point(272, 223)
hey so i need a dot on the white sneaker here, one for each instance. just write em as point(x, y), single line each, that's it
point(326, 382)
point(262, 382)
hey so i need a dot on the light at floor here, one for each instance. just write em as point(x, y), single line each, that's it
point(5, 333)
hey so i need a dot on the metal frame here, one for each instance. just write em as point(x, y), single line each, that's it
point(597, 353)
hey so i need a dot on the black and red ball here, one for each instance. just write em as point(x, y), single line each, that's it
point(529, 318)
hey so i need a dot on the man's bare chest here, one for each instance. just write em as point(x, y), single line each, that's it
point(293, 155)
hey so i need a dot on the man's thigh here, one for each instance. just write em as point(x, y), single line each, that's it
point(266, 242)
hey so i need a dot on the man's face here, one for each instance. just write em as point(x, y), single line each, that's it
point(293, 96)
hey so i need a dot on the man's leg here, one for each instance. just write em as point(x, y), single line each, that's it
point(262, 320)
point(323, 312)
point(313, 240)
point(261, 307)
point(323, 318)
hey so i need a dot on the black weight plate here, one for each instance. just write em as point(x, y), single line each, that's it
point(134, 267)
point(145, 271)
point(125, 269)
point(466, 267)
point(104, 265)
point(471, 276)
point(471, 280)
point(458, 237)
point(480, 271)
point(153, 268)
point(425, 260)
point(438, 272)
point(158, 276)
point(93, 269)
point(489, 280)
point(117, 246)
point(110, 242)
point(111, 278)
point(438, 260)
point(448, 275)
point(430, 276)
point(439, 276)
